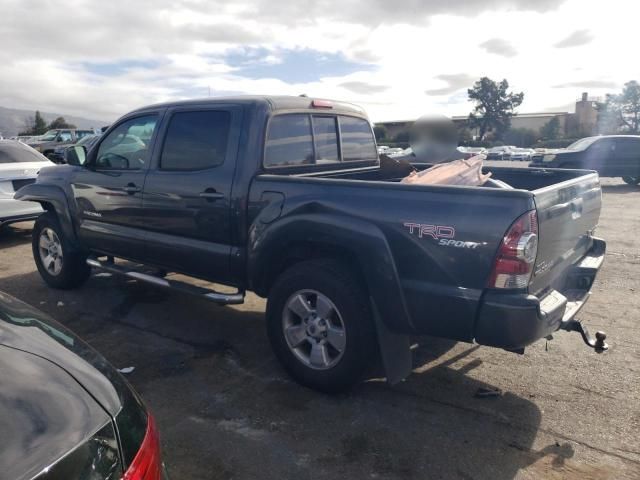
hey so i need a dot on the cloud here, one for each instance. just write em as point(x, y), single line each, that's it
point(588, 84)
point(499, 46)
point(454, 82)
point(102, 59)
point(576, 39)
point(363, 87)
point(379, 12)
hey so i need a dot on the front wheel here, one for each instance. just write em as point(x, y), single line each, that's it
point(60, 266)
point(320, 325)
point(631, 180)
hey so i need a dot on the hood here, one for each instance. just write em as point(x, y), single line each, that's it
point(44, 413)
point(25, 328)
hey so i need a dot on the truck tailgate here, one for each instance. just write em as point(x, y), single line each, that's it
point(568, 213)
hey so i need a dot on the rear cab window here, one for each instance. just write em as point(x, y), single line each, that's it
point(357, 140)
point(299, 139)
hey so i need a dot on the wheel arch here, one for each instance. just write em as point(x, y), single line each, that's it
point(358, 244)
point(52, 199)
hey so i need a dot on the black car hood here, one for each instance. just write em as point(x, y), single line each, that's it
point(25, 328)
point(44, 413)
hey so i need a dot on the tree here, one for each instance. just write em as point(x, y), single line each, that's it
point(380, 132)
point(494, 106)
point(551, 129)
point(520, 137)
point(622, 111)
point(60, 122)
point(35, 125)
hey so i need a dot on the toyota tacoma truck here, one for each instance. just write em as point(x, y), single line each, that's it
point(285, 197)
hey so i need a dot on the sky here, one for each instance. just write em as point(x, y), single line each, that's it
point(399, 59)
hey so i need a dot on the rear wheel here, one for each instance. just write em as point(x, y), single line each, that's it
point(631, 180)
point(320, 326)
point(60, 266)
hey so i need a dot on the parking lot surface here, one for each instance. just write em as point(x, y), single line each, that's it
point(226, 410)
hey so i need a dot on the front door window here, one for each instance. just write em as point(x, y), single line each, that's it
point(127, 146)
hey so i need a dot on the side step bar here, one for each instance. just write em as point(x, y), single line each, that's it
point(211, 295)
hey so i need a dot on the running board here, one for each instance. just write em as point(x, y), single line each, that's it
point(211, 295)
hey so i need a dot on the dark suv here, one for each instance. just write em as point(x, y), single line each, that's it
point(609, 155)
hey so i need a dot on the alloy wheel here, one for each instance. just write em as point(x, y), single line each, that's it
point(314, 329)
point(50, 249)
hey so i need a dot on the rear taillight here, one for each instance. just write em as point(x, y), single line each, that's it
point(517, 254)
point(147, 464)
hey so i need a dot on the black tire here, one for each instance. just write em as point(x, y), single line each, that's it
point(631, 180)
point(74, 270)
point(347, 294)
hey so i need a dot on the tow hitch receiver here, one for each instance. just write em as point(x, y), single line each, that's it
point(598, 343)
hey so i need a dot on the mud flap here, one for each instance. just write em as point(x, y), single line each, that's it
point(395, 350)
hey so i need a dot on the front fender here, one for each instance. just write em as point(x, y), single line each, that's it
point(50, 197)
point(363, 241)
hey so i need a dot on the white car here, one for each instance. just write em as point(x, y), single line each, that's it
point(468, 152)
point(394, 152)
point(522, 154)
point(19, 166)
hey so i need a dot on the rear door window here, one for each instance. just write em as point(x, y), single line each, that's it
point(289, 141)
point(196, 140)
point(357, 139)
point(628, 147)
point(325, 136)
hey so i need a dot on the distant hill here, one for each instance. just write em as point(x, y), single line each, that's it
point(13, 120)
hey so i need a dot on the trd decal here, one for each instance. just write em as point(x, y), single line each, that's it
point(434, 231)
point(458, 243)
point(444, 234)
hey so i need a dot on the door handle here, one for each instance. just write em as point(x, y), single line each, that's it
point(131, 188)
point(210, 194)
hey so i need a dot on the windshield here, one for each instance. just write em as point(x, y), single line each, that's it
point(49, 136)
point(582, 143)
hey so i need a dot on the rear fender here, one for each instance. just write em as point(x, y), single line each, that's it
point(53, 198)
point(368, 247)
point(363, 242)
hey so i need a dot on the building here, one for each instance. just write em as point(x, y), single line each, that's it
point(581, 123)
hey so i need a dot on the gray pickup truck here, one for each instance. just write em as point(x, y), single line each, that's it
point(49, 143)
point(285, 197)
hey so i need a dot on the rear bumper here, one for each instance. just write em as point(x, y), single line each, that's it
point(514, 320)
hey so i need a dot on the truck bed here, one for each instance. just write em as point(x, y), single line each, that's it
point(443, 285)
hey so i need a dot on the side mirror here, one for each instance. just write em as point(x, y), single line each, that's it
point(76, 155)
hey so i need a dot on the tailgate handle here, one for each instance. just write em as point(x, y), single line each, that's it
point(576, 209)
point(575, 206)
